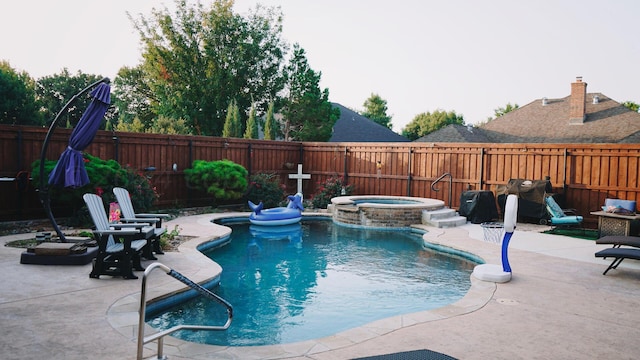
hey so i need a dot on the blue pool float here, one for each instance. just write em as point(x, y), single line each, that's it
point(277, 216)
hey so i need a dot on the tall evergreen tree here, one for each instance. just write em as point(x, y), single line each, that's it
point(252, 125)
point(232, 127)
point(308, 114)
point(270, 124)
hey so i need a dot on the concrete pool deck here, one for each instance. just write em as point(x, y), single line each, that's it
point(558, 305)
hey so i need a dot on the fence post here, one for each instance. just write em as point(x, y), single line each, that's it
point(409, 172)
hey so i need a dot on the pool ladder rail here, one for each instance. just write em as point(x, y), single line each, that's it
point(436, 181)
point(159, 336)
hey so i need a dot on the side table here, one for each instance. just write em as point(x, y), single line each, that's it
point(614, 224)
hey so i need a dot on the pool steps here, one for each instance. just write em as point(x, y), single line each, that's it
point(443, 218)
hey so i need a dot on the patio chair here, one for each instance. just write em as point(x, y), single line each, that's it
point(561, 217)
point(618, 254)
point(619, 240)
point(129, 215)
point(116, 258)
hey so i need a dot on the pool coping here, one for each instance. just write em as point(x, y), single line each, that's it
point(358, 201)
point(123, 314)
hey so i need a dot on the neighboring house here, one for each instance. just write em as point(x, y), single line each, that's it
point(353, 127)
point(458, 133)
point(578, 118)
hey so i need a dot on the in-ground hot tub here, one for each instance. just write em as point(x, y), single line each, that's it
point(381, 211)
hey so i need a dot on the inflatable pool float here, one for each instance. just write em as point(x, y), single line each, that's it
point(277, 216)
point(291, 233)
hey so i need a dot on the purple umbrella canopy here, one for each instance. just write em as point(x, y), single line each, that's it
point(70, 171)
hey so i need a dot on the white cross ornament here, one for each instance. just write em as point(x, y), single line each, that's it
point(300, 176)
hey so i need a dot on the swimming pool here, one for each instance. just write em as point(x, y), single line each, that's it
point(316, 279)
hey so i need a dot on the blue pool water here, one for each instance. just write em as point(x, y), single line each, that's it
point(315, 279)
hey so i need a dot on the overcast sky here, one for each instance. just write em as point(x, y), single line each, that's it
point(466, 56)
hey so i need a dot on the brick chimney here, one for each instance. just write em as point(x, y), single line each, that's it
point(577, 102)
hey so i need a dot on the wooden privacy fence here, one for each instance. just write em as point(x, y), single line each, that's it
point(585, 174)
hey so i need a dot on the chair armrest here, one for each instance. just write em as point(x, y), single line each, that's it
point(148, 221)
point(143, 215)
point(116, 232)
point(135, 225)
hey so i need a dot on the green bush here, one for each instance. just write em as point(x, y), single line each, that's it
point(104, 175)
point(331, 188)
point(223, 179)
point(265, 188)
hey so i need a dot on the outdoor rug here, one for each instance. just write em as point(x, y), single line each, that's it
point(587, 234)
point(410, 355)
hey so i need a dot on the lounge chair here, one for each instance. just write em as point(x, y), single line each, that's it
point(619, 240)
point(618, 254)
point(129, 215)
point(561, 217)
point(116, 258)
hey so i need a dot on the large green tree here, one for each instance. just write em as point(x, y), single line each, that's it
point(425, 123)
point(375, 108)
point(308, 114)
point(56, 90)
point(197, 60)
point(17, 97)
point(134, 98)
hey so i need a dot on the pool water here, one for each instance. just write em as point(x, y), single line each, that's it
point(315, 279)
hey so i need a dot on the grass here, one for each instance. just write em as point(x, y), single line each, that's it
point(587, 234)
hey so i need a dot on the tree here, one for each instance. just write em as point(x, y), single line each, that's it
point(425, 123)
point(17, 97)
point(164, 125)
point(251, 131)
point(197, 60)
point(631, 105)
point(270, 124)
point(506, 109)
point(133, 97)
point(135, 125)
point(375, 108)
point(232, 127)
point(308, 114)
point(56, 90)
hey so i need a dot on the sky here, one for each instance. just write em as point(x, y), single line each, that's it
point(466, 56)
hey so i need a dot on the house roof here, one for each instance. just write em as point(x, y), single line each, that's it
point(458, 133)
point(353, 127)
point(606, 121)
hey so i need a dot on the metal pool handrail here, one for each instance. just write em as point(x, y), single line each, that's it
point(160, 335)
point(433, 184)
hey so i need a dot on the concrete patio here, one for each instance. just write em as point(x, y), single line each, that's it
point(557, 306)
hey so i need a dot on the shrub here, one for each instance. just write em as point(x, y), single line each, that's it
point(223, 179)
point(265, 187)
point(331, 188)
point(104, 175)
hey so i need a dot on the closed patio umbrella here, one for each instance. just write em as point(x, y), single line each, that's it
point(70, 171)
